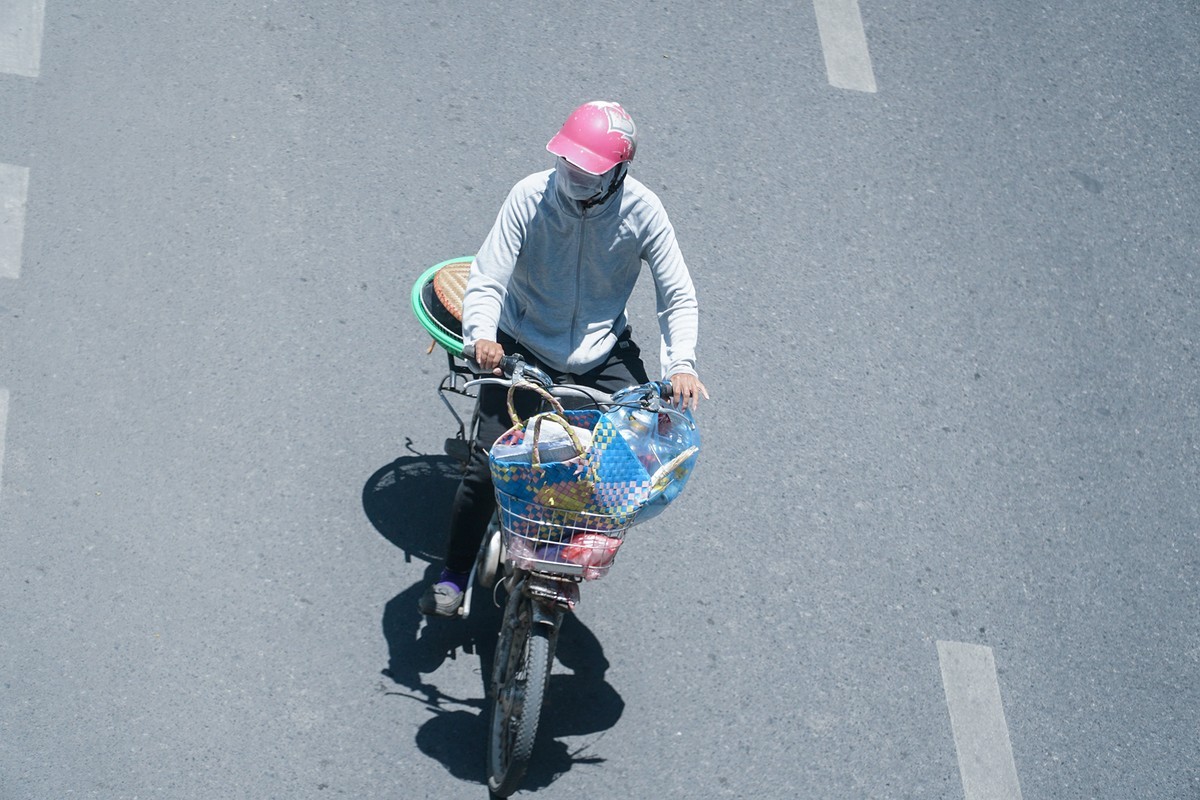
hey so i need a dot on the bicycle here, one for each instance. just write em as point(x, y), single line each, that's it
point(541, 554)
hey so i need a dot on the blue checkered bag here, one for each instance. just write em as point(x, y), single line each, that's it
point(608, 479)
point(567, 485)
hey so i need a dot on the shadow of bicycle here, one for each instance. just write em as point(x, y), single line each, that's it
point(578, 703)
point(408, 503)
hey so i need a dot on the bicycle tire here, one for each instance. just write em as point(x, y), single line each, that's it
point(524, 655)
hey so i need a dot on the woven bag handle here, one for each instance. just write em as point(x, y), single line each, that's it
point(536, 459)
point(658, 481)
point(512, 407)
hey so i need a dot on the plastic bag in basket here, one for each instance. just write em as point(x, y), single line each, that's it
point(640, 473)
point(594, 551)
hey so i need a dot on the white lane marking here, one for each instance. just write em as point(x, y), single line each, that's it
point(985, 758)
point(3, 428)
point(14, 191)
point(847, 60)
point(21, 25)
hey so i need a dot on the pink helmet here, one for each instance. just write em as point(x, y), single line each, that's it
point(596, 137)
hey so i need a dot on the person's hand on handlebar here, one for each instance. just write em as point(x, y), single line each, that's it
point(488, 355)
point(686, 390)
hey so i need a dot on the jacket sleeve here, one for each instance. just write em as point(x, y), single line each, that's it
point(678, 310)
point(487, 284)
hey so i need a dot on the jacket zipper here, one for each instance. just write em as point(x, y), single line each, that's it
point(578, 276)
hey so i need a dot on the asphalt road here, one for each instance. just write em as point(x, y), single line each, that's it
point(950, 329)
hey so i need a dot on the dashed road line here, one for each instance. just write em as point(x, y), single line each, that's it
point(844, 42)
point(3, 428)
point(14, 191)
point(21, 25)
point(985, 757)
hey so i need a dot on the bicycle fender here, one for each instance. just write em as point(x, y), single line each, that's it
point(548, 617)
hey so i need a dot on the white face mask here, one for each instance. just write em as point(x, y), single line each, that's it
point(577, 184)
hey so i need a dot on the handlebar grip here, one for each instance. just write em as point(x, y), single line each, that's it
point(508, 364)
point(666, 390)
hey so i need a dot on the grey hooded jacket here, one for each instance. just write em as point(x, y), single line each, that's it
point(557, 278)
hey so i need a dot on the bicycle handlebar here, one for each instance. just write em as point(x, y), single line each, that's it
point(515, 368)
point(512, 366)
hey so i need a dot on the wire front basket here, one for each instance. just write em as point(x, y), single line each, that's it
point(558, 541)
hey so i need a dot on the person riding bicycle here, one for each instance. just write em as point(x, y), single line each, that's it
point(551, 282)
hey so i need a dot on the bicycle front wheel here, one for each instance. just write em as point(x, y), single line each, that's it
point(524, 655)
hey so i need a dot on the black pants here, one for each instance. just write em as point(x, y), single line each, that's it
point(475, 501)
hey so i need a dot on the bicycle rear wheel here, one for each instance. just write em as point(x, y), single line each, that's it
point(524, 655)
